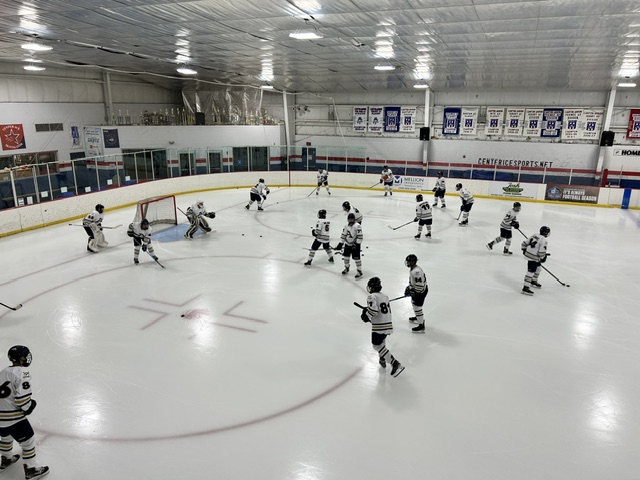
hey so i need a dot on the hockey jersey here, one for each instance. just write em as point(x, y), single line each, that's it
point(322, 230)
point(137, 232)
point(466, 196)
point(417, 280)
point(351, 234)
point(379, 312)
point(93, 218)
point(357, 213)
point(15, 397)
point(509, 218)
point(258, 188)
point(323, 175)
point(535, 247)
point(440, 185)
point(196, 211)
point(387, 176)
point(423, 211)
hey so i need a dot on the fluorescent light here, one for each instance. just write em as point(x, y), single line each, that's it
point(186, 71)
point(266, 87)
point(384, 66)
point(304, 35)
point(36, 47)
point(33, 68)
point(421, 84)
point(627, 84)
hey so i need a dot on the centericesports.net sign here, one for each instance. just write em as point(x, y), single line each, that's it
point(572, 193)
point(513, 189)
point(409, 183)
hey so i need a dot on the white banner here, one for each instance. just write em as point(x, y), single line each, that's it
point(408, 119)
point(493, 124)
point(93, 141)
point(571, 125)
point(409, 183)
point(469, 121)
point(513, 189)
point(360, 119)
point(592, 124)
point(514, 121)
point(376, 119)
point(533, 122)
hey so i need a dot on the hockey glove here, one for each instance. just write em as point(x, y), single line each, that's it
point(462, 208)
point(144, 247)
point(543, 259)
point(515, 225)
point(32, 407)
point(130, 233)
point(364, 317)
point(211, 215)
point(415, 219)
point(339, 246)
point(313, 232)
point(264, 196)
point(408, 291)
point(434, 189)
point(268, 191)
point(380, 180)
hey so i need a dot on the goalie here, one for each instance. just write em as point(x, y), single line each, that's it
point(196, 214)
point(92, 224)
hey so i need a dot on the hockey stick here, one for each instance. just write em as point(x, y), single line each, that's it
point(364, 308)
point(17, 307)
point(108, 228)
point(155, 259)
point(545, 268)
point(377, 183)
point(403, 225)
point(182, 212)
point(459, 216)
point(312, 192)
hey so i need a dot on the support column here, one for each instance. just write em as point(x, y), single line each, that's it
point(604, 154)
point(108, 100)
point(427, 124)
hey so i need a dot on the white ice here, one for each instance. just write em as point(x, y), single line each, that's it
point(270, 375)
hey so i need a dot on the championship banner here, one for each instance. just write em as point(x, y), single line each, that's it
point(376, 119)
point(592, 124)
point(391, 119)
point(93, 141)
point(360, 119)
point(451, 121)
point(75, 137)
point(493, 124)
point(532, 122)
point(633, 130)
point(514, 121)
point(573, 123)
point(551, 122)
point(12, 137)
point(408, 116)
point(469, 121)
point(572, 193)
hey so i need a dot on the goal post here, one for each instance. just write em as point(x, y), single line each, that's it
point(160, 209)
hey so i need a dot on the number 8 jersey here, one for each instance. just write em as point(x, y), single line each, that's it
point(379, 309)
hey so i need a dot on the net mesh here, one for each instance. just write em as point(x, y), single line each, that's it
point(160, 209)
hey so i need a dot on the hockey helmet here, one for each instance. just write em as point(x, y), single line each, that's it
point(545, 231)
point(346, 205)
point(411, 260)
point(385, 168)
point(100, 208)
point(439, 174)
point(517, 206)
point(419, 197)
point(458, 186)
point(200, 203)
point(144, 224)
point(351, 218)
point(261, 180)
point(322, 213)
point(21, 355)
point(374, 285)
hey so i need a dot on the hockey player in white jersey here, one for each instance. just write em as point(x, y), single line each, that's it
point(196, 214)
point(15, 405)
point(439, 190)
point(423, 216)
point(535, 249)
point(386, 178)
point(92, 224)
point(323, 179)
point(467, 203)
point(417, 290)
point(351, 239)
point(258, 193)
point(347, 208)
point(378, 313)
point(321, 234)
point(508, 222)
point(141, 234)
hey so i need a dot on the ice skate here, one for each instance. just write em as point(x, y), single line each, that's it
point(428, 235)
point(345, 271)
point(358, 274)
point(8, 461)
point(316, 192)
point(382, 362)
point(385, 194)
point(443, 206)
point(260, 208)
point(506, 251)
point(418, 329)
point(331, 260)
point(490, 245)
point(526, 291)
point(136, 261)
point(396, 368)
point(413, 320)
point(391, 193)
point(535, 284)
point(35, 472)
point(464, 223)
point(307, 264)
point(247, 207)
point(417, 236)
point(329, 193)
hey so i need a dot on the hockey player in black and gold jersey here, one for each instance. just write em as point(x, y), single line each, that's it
point(535, 249)
point(378, 313)
point(321, 234)
point(417, 290)
point(423, 216)
point(508, 222)
point(351, 239)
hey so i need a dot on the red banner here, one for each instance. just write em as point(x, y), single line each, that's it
point(12, 137)
point(633, 130)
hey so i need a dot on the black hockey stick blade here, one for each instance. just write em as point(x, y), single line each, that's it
point(359, 306)
point(400, 226)
point(155, 259)
point(17, 307)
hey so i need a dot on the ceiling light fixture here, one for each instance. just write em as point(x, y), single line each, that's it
point(186, 70)
point(309, 32)
point(266, 87)
point(421, 84)
point(36, 47)
point(33, 68)
point(385, 66)
point(625, 84)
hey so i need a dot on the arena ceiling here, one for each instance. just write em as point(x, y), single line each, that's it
point(449, 44)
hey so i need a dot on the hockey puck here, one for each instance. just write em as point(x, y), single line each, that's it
point(260, 236)
point(243, 234)
point(182, 315)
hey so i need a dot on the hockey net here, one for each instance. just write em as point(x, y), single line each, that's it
point(161, 209)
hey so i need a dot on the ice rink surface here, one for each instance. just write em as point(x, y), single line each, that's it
point(270, 374)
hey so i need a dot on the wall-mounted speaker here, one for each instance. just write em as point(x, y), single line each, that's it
point(606, 140)
point(424, 134)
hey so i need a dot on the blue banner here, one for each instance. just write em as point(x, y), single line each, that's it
point(551, 122)
point(451, 121)
point(392, 119)
point(111, 139)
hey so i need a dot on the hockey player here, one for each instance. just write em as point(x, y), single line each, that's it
point(258, 194)
point(439, 190)
point(196, 214)
point(351, 239)
point(321, 234)
point(323, 179)
point(508, 222)
point(423, 216)
point(417, 290)
point(141, 234)
point(15, 405)
point(346, 206)
point(386, 177)
point(378, 313)
point(535, 249)
point(467, 203)
point(92, 224)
